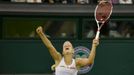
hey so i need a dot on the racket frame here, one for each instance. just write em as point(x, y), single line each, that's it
point(102, 23)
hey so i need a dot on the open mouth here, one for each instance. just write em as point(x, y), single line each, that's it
point(66, 48)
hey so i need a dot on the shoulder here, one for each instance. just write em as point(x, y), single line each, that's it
point(60, 59)
point(80, 62)
point(57, 62)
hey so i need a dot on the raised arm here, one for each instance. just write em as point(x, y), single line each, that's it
point(88, 61)
point(55, 55)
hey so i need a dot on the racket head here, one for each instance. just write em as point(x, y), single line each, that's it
point(103, 11)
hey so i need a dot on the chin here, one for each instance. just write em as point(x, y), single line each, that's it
point(68, 53)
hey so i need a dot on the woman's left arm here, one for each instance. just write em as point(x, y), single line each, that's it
point(88, 61)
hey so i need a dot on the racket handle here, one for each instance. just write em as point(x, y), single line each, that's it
point(97, 34)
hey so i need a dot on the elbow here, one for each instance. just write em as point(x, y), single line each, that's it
point(91, 61)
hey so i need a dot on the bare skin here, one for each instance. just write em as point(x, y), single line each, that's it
point(67, 51)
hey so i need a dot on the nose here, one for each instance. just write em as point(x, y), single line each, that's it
point(67, 45)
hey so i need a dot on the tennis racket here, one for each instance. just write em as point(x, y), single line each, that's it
point(102, 13)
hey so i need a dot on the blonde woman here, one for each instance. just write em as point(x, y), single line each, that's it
point(64, 63)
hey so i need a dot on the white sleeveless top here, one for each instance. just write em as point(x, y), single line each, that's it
point(63, 69)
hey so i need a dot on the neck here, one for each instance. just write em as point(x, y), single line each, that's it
point(68, 59)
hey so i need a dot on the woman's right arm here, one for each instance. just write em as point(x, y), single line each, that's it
point(55, 55)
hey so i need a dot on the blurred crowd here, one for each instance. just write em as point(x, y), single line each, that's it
point(112, 29)
point(71, 1)
point(67, 28)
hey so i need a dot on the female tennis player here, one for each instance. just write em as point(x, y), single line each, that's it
point(64, 63)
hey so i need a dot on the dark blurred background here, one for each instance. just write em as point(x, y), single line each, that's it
point(22, 52)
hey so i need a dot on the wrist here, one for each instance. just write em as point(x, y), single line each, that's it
point(94, 45)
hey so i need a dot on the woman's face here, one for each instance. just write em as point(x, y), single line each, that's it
point(67, 48)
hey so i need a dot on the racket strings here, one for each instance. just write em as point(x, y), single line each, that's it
point(103, 11)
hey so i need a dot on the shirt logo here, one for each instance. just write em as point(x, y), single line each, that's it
point(82, 52)
point(68, 67)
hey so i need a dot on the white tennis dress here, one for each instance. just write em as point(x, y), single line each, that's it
point(63, 69)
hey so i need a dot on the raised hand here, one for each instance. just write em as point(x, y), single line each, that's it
point(39, 30)
point(96, 42)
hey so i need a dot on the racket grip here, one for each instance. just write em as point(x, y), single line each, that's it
point(97, 34)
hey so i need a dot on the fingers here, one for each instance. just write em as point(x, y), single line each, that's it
point(96, 42)
point(39, 29)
